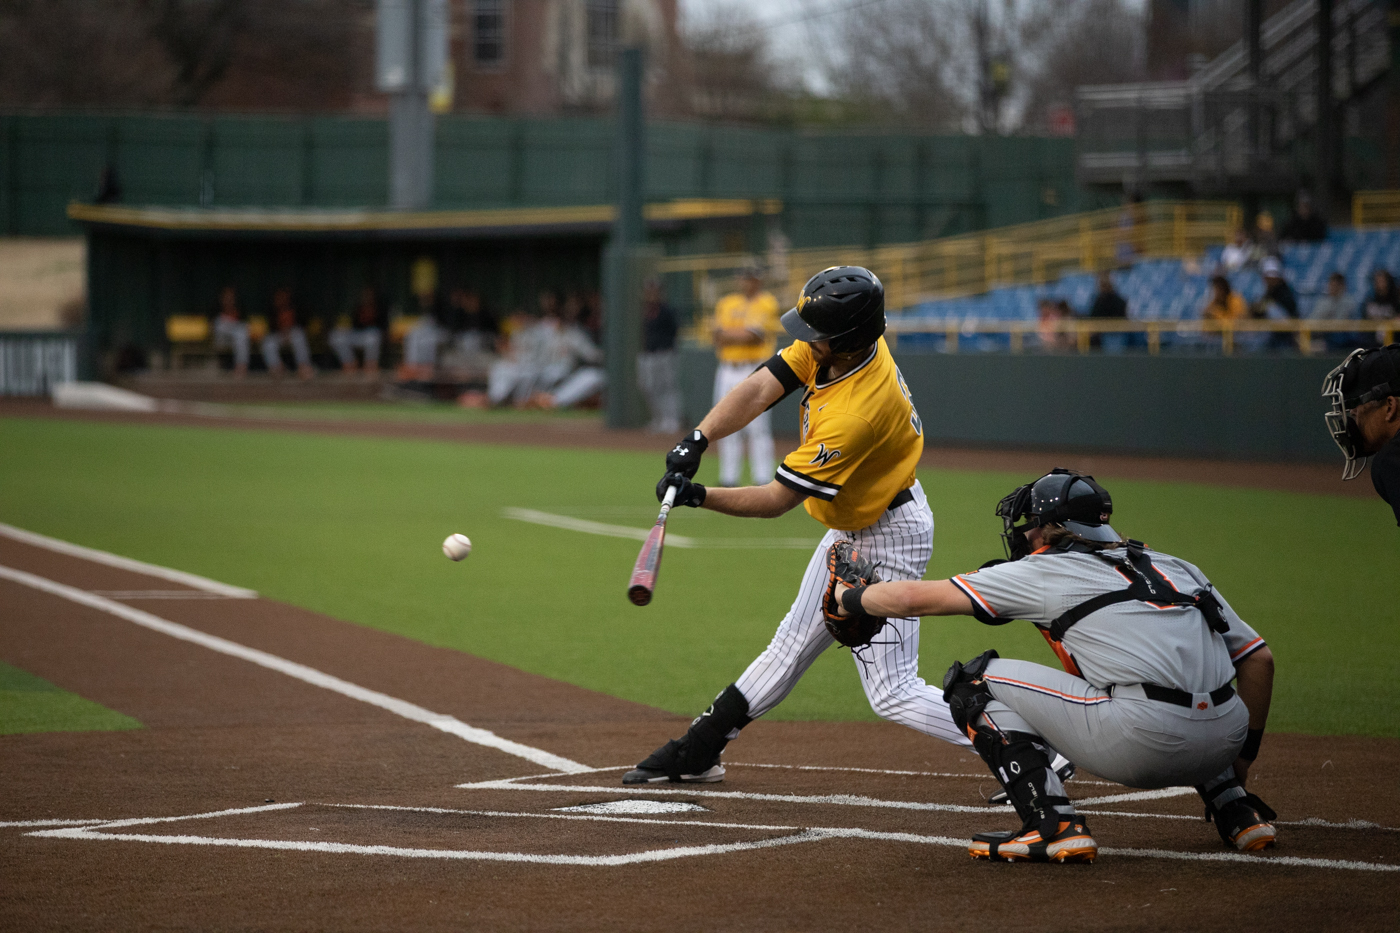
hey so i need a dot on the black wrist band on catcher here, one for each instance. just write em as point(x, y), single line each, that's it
point(1251, 744)
point(850, 600)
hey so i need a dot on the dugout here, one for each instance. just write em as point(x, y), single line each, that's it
point(148, 264)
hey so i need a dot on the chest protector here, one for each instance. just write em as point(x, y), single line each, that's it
point(1145, 584)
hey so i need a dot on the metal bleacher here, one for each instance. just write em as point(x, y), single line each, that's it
point(1156, 290)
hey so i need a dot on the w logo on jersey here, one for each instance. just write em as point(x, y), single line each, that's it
point(825, 456)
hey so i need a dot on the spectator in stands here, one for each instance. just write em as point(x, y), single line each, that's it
point(1225, 303)
point(656, 364)
point(1052, 339)
point(230, 332)
point(1265, 236)
point(1383, 304)
point(1279, 303)
point(593, 314)
point(1109, 305)
point(363, 331)
point(1238, 253)
point(1306, 225)
point(1336, 305)
point(286, 332)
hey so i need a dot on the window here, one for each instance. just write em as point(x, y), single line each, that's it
point(489, 32)
point(602, 32)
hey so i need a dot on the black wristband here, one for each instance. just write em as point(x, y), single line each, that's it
point(1251, 744)
point(850, 600)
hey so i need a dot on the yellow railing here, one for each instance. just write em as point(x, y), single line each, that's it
point(1375, 208)
point(1073, 335)
point(1024, 254)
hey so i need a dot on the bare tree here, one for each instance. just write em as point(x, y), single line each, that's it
point(731, 68)
point(899, 62)
point(1079, 42)
point(199, 37)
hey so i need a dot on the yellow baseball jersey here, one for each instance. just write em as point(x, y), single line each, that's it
point(861, 438)
point(737, 312)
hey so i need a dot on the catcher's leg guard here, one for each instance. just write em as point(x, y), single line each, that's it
point(1242, 819)
point(694, 757)
point(1051, 831)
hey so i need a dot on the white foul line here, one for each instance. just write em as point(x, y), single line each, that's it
point(126, 563)
point(444, 723)
point(569, 523)
point(799, 834)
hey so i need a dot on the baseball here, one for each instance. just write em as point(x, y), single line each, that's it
point(456, 547)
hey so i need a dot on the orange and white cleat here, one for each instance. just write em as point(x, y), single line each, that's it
point(1244, 823)
point(1071, 843)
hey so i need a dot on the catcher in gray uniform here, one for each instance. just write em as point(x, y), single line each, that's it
point(1149, 649)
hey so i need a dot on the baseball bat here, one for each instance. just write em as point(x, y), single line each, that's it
point(643, 582)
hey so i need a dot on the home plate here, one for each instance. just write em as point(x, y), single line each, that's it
point(634, 806)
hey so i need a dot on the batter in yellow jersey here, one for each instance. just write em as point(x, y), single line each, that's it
point(854, 473)
point(861, 438)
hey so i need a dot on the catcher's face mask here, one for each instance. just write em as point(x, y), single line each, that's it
point(1010, 509)
point(1341, 423)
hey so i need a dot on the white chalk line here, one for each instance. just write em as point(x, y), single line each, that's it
point(449, 724)
point(126, 563)
point(799, 834)
point(569, 523)
point(24, 823)
point(157, 594)
point(939, 774)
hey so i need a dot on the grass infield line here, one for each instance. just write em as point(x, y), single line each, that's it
point(127, 563)
point(449, 724)
point(586, 526)
point(800, 834)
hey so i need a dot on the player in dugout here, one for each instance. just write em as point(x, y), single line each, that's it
point(854, 472)
point(1365, 418)
point(1145, 697)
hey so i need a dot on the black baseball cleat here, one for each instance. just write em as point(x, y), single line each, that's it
point(1065, 771)
point(666, 765)
point(1244, 824)
point(1071, 843)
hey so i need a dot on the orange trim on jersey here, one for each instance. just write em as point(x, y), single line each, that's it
point(971, 590)
point(1258, 642)
point(1049, 691)
point(1061, 652)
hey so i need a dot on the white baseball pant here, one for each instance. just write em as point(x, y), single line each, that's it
point(901, 540)
point(758, 433)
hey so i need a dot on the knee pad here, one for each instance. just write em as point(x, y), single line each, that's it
point(965, 692)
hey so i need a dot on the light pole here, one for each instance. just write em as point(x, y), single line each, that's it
point(410, 63)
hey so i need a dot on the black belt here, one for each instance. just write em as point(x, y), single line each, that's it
point(904, 497)
point(1181, 697)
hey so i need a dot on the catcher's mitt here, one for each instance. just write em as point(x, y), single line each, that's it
point(848, 567)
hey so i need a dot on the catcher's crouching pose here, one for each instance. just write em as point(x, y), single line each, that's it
point(1149, 650)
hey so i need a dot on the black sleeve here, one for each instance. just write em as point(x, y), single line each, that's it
point(1385, 475)
point(778, 366)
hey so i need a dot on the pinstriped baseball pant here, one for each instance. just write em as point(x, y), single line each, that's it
point(901, 541)
point(1122, 736)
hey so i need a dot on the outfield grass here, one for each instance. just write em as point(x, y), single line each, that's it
point(352, 526)
point(32, 704)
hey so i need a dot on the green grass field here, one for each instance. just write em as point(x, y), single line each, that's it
point(351, 527)
point(32, 704)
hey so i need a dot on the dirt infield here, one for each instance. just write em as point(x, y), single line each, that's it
point(283, 782)
point(1316, 479)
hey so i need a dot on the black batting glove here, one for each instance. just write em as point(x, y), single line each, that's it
point(687, 492)
point(684, 458)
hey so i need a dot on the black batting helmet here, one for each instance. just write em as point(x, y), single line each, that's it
point(844, 305)
point(1060, 497)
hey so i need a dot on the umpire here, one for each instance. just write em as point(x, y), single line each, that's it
point(1365, 417)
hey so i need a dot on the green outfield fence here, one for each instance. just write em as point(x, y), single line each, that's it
point(837, 187)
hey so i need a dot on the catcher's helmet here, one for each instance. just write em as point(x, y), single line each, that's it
point(844, 305)
point(1364, 376)
point(1060, 497)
